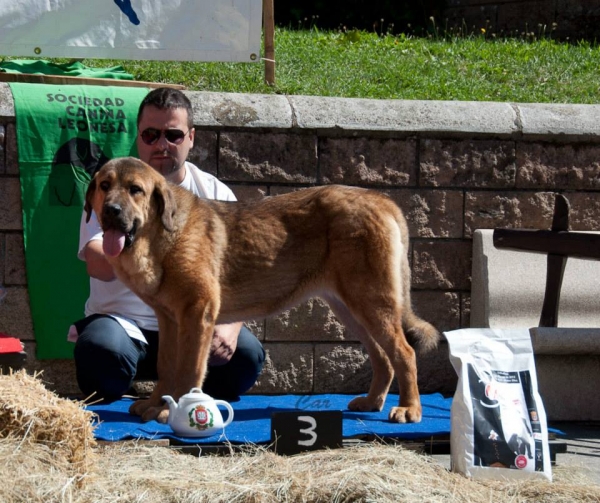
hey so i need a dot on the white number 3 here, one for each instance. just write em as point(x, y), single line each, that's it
point(308, 431)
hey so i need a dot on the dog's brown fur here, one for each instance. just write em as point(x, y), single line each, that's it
point(198, 262)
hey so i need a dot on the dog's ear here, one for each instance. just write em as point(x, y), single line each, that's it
point(165, 203)
point(89, 196)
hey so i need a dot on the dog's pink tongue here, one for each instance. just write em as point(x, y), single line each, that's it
point(113, 242)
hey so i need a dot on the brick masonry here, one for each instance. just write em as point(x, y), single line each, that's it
point(452, 167)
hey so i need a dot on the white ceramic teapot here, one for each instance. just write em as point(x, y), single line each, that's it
point(197, 414)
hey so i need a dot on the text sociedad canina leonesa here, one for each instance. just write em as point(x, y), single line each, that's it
point(84, 113)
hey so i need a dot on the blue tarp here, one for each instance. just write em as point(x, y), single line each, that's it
point(252, 419)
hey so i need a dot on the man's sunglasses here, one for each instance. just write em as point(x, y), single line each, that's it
point(151, 135)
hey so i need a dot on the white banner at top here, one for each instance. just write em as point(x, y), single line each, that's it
point(172, 30)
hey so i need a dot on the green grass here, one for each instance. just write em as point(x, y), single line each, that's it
point(360, 64)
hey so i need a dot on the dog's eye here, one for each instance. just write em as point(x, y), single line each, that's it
point(104, 186)
point(135, 189)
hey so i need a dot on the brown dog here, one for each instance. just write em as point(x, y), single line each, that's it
point(198, 262)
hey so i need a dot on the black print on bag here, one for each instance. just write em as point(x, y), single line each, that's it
point(507, 432)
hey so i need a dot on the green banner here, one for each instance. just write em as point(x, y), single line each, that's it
point(64, 133)
point(71, 69)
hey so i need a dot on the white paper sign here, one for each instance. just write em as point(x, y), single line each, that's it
point(172, 30)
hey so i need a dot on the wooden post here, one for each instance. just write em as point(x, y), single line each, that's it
point(269, 41)
point(555, 267)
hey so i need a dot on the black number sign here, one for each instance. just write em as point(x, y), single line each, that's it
point(294, 432)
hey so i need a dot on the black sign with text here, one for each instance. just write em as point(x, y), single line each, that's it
point(304, 430)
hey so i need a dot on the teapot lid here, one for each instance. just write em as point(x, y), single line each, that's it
point(196, 394)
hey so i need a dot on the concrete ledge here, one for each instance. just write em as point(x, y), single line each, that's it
point(455, 117)
point(241, 110)
point(7, 105)
point(349, 115)
point(538, 120)
point(410, 117)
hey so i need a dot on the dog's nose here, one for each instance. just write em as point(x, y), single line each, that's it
point(113, 210)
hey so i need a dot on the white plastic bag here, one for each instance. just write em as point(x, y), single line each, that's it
point(498, 422)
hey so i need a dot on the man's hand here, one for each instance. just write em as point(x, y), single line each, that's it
point(96, 263)
point(224, 342)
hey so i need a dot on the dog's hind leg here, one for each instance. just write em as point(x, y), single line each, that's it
point(384, 332)
point(376, 291)
point(382, 369)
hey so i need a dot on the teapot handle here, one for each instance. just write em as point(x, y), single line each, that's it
point(229, 409)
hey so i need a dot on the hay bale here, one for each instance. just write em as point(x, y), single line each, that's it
point(31, 413)
point(128, 472)
point(43, 437)
point(34, 474)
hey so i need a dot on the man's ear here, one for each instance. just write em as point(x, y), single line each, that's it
point(165, 202)
point(89, 196)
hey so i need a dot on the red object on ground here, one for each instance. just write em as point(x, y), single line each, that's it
point(10, 344)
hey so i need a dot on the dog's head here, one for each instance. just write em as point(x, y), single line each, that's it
point(126, 194)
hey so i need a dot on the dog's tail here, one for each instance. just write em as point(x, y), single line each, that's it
point(421, 335)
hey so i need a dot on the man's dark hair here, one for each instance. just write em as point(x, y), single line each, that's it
point(165, 98)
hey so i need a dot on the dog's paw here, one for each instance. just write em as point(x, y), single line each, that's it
point(366, 404)
point(148, 411)
point(138, 407)
point(405, 414)
point(160, 414)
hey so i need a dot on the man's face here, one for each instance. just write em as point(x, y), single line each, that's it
point(166, 157)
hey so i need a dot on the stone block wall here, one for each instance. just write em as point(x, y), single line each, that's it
point(452, 167)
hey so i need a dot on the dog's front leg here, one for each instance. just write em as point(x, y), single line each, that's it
point(153, 407)
point(196, 327)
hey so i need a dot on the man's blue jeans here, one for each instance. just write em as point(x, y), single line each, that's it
point(107, 361)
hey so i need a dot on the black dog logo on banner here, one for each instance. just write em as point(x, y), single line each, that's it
point(73, 166)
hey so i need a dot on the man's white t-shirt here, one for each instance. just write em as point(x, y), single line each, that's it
point(113, 297)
